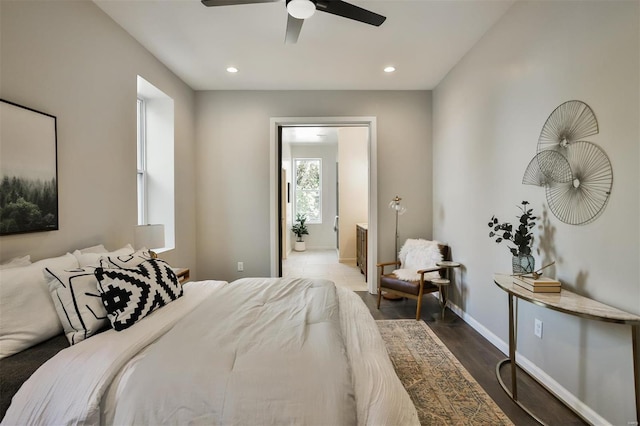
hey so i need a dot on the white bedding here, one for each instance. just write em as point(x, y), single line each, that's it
point(256, 351)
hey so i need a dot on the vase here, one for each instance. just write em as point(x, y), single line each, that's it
point(299, 246)
point(523, 264)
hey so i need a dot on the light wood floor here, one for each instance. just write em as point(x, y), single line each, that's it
point(323, 264)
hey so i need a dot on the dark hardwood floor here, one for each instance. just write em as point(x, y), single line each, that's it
point(479, 357)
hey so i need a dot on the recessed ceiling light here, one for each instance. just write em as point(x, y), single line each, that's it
point(389, 69)
point(232, 70)
point(301, 9)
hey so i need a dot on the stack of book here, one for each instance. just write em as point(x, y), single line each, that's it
point(538, 285)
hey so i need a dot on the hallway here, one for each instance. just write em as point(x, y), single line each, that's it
point(323, 264)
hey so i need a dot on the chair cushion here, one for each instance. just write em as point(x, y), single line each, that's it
point(391, 282)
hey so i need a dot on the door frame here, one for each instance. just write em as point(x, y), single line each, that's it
point(276, 123)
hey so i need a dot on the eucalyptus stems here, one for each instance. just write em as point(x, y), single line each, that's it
point(521, 237)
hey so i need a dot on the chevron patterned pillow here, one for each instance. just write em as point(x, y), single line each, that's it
point(129, 295)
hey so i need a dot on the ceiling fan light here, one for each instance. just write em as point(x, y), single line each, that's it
point(301, 9)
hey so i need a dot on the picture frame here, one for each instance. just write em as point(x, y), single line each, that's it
point(28, 170)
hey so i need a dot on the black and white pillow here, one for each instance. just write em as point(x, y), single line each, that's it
point(77, 301)
point(125, 260)
point(130, 294)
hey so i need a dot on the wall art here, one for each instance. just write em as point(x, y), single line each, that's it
point(28, 170)
point(576, 174)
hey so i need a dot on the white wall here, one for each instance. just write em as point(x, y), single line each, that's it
point(232, 130)
point(69, 59)
point(288, 203)
point(354, 200)
point(321, 235)
point(488, 113)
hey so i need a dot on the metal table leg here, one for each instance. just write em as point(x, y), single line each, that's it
point(513, 340)
point(636, 373)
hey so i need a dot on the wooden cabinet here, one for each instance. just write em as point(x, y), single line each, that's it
point(361, 247)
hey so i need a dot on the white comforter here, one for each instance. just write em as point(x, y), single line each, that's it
point(256, 351)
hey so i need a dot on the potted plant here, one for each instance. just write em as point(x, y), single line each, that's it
point(521, 237)
point(300, 229)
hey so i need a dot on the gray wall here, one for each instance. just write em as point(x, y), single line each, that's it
point(232, 133)
point(69, 59)
point(488, 113)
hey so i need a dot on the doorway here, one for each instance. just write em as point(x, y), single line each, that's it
point(279, 191)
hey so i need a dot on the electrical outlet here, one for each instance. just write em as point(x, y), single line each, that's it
point(240, 266)
point(537, 328)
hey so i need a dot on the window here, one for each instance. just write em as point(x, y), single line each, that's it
point(142, 165)
point(155, 159)
point(308, 188)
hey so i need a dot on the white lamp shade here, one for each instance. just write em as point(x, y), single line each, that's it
point(149, 236)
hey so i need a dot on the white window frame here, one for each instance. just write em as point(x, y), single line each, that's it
point(295, 189)
point(141, 162)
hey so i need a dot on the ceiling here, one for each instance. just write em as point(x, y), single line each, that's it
point(423, 39)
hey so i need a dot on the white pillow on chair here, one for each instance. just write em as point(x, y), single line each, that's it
point(417, 254)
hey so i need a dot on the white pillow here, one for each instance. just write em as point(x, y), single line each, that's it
point(93, 249)
point(17, 261)
point(93, 259)
point(77, 300)
point(125, 261)
point(418, 254)
point(27, 313)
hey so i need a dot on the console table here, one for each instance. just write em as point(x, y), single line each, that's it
point(569, 303)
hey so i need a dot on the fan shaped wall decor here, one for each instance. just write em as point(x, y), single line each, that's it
point(576, 174)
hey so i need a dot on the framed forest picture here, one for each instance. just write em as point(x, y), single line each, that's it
point(28, 170)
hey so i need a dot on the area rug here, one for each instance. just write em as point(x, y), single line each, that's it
point(442, 390)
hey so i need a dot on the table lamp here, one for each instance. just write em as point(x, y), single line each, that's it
point(149, 236)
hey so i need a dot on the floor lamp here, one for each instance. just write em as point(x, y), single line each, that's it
point(399, 209)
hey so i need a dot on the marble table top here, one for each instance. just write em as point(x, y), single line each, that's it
point(448, 264)
point(568, 302)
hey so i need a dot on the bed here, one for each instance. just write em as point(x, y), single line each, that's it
point(253, 351)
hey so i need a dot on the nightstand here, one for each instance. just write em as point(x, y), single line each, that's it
point(182, 274)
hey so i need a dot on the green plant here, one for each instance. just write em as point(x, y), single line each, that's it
point(521, 237)
point(300, 228)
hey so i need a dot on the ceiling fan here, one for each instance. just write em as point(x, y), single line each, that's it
point(299, 10)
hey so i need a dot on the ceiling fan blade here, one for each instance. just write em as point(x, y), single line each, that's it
point(348, 10)
point(294, 25)
point(210, 3)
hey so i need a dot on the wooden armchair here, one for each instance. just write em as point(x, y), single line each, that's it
point(412, 289)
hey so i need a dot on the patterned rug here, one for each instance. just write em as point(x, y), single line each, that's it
point(442, 390)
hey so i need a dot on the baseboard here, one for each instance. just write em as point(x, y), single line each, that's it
point(485, 332)
point(532, 369)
